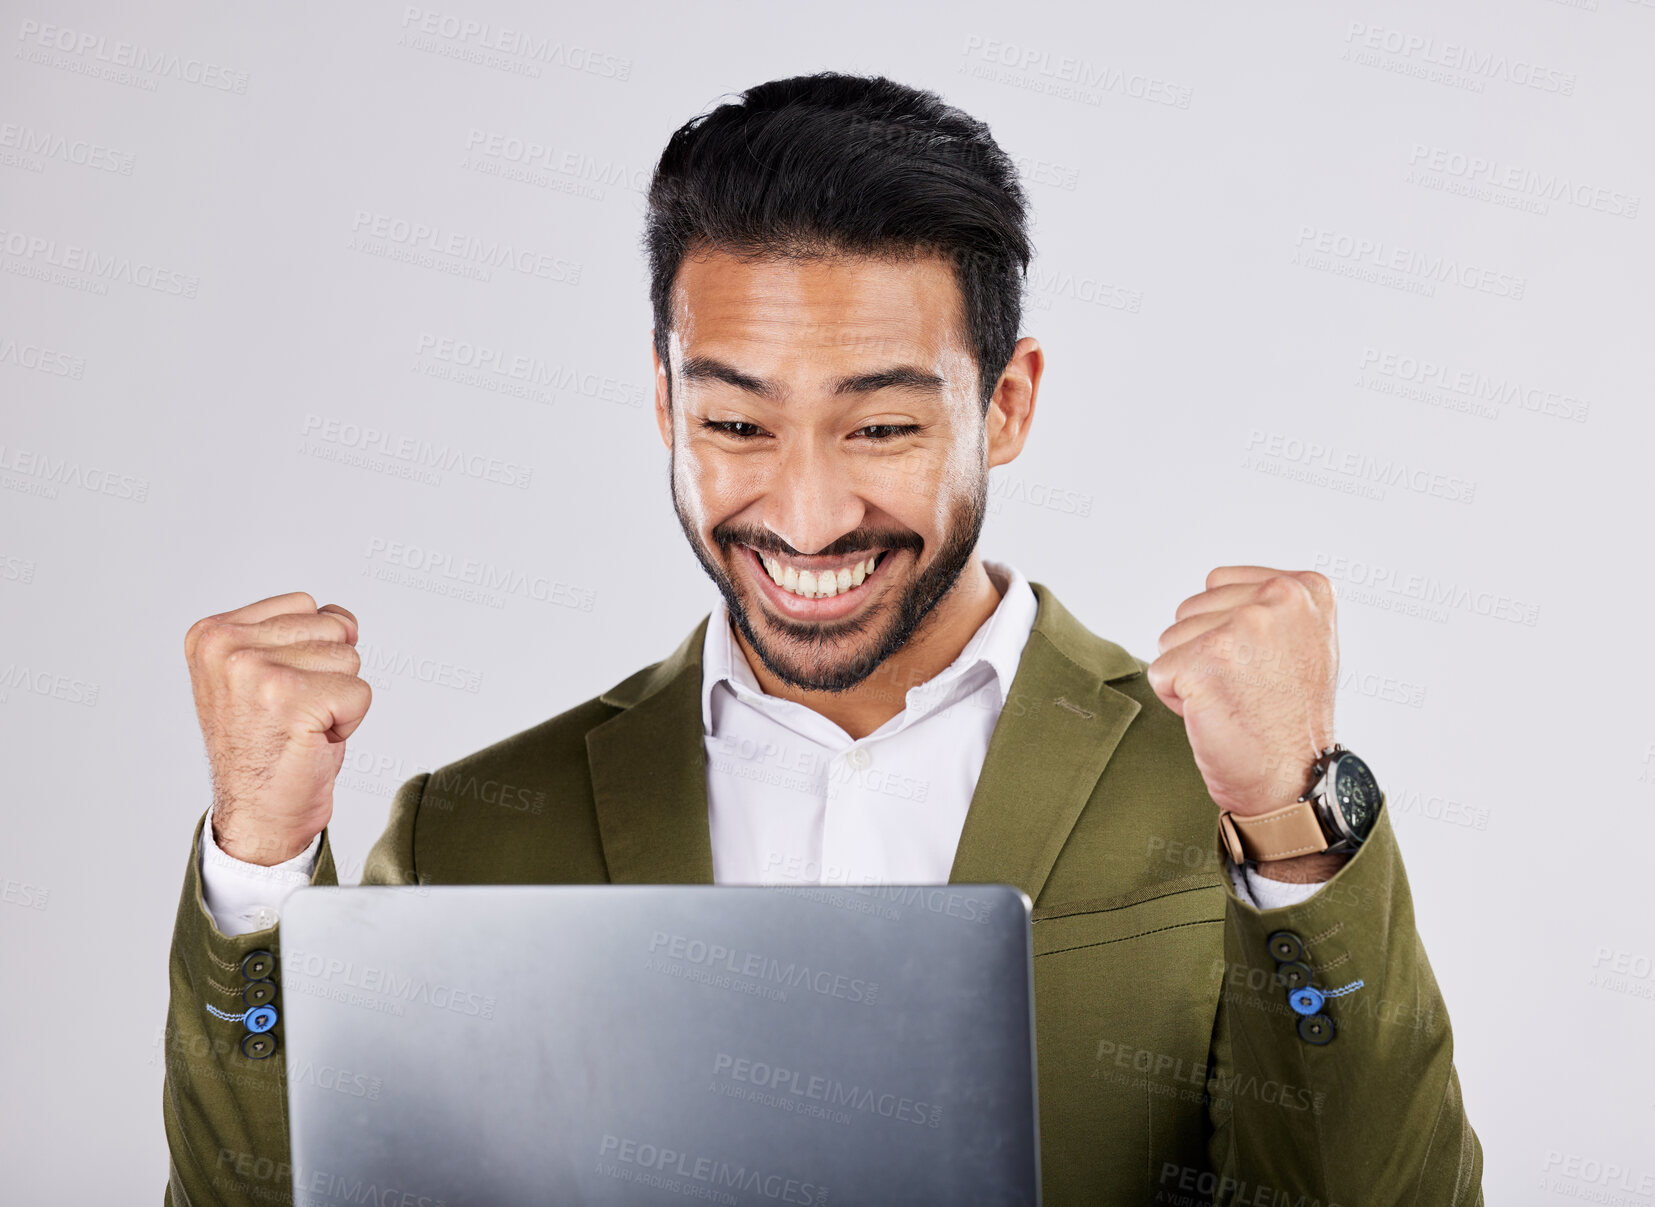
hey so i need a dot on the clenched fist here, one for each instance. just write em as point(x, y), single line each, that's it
point(1252, 665)
point(277, 694)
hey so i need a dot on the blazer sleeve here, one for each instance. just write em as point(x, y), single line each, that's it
point(1347, 1095)
point(224, 1096)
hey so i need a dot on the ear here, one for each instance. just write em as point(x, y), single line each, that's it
point(663, 406)
point(1011, 410)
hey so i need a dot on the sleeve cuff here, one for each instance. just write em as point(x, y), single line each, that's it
point(1261, 892)
point(245, 897)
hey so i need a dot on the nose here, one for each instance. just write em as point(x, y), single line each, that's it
point(810, 499)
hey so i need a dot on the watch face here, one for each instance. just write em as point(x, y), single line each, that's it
point(1357, 794)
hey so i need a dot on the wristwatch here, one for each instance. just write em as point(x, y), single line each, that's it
point(1334, 814)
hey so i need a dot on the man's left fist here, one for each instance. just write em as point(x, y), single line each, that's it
point(1251, 665)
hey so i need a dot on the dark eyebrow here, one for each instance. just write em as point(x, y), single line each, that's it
point(904, 377)
point(707, 368)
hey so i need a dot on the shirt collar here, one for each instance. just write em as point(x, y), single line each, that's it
point(998, 642)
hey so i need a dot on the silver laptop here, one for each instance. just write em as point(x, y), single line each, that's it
point(479, 1045)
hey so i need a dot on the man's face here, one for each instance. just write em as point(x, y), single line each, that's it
point(824, 419)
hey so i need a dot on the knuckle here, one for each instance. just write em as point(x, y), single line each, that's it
point(277, 684)
point(1318, 584)
point(194, 634)
point(215, 640)
point(1279, 588)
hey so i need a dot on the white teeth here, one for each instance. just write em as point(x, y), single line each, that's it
point(823, 585)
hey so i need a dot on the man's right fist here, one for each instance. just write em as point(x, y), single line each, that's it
point(277, 694)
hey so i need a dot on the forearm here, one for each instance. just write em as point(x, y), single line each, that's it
point(1363, 1102)
point(224, 1092)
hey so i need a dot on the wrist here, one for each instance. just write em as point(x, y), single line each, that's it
point(265, 850)
point(1302, 869)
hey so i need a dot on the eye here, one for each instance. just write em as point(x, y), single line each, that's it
point(890, 431)
point(739, 428)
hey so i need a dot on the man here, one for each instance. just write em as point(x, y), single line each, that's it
point(836, 267)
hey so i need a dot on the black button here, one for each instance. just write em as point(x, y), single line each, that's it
point(256, 1046)
point(1295, 975)
point(1316, 1029)
point(262, 993)
point(258, 965)
point(1286, 946)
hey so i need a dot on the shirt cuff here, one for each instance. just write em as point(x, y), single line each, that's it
point(1261, 892)
point(246, 897)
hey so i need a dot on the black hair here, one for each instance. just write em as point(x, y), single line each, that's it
point(834, 164)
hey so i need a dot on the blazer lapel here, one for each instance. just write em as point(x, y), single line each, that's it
point(1060, 725)
point(649, 777)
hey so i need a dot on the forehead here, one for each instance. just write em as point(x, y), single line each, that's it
point(840, 307)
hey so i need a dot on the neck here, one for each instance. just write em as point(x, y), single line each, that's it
point(882, 695)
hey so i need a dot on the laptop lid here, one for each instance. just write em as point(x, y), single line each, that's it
point(614, 1044)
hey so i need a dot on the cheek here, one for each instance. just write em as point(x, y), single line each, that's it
point(710, 487)
point(957, 479)
point(922, 495)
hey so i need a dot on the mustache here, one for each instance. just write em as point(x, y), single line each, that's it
point(861, 540)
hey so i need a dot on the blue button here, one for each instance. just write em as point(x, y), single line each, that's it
point(1306, 1000)
point(260, 1019)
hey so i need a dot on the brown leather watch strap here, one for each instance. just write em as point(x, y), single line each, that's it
point(1280, 834)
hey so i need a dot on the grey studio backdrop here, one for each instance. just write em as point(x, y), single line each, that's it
point(1362, 288)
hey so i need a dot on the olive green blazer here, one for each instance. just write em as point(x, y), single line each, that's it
point(1172, 1068)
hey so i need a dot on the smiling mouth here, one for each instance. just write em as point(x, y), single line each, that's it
point(820, 582)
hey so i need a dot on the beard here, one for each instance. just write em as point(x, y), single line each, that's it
point(834, 656)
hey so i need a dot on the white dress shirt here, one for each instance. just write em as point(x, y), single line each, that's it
point(791, 797)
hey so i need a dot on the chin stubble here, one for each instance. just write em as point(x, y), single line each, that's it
point(793, 662)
